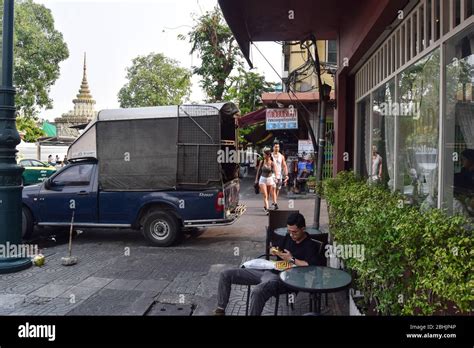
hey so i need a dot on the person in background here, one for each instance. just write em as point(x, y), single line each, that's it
point(310, 167)
point(50, 161)
point(464, 180)
point(376, 174)
point(301, 180)
point(293, 171)
point(301, 166)
point(463, 185)
point(281, 171)
point(65, 161)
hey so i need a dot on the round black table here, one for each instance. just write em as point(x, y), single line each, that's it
point(316, 280)
point(282, 231)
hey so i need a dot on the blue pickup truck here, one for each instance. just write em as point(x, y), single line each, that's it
point(149, 169)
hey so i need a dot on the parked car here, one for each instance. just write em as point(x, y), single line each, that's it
point(35, 171)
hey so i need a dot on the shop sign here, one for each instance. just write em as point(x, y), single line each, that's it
point(281, 119)
point(305, 148)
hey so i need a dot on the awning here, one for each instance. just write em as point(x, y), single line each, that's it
point(259, 116)
point(293, 98)
point(356, 24)
point(49, 129)
point(281, 20)
point(252, 118)
point(260, 135)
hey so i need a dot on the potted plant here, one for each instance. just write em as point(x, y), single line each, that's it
point(311, 183)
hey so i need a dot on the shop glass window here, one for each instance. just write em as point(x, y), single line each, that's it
point(383, 136)
point(458, 180)
point(363, 146)
point(418, 113)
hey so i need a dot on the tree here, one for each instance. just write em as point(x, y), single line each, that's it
point(30, 127)
point(244, 133)
point(246, 88)
point(213, 40)
point(38, 50)
point(155, 80)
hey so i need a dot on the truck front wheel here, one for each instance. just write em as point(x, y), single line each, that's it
point(161, 228)
point(26, 223)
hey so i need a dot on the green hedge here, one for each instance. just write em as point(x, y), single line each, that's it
point(415, 262)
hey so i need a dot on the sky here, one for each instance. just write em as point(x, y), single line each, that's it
point(113, 32)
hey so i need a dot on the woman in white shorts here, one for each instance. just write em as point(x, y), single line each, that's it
point(266, 181)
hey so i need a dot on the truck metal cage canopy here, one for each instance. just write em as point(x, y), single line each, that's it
point(157, 148)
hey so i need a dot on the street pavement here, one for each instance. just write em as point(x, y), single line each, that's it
point(118, 273)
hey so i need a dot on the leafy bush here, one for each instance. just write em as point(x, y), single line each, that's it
point(415, 262)
point(312, 179)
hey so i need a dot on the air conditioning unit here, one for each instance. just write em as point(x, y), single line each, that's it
point(285, 74)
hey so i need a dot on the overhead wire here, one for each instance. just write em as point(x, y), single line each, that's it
point(273, 68)
point(310, 128)
point(276, 72)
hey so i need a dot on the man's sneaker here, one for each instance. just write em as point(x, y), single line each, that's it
point(266, 211)
point(219, 312)
point(275, 206)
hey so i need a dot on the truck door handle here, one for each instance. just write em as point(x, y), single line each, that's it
point(83, 193)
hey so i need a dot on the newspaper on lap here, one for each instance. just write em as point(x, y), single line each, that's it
point(266, 264)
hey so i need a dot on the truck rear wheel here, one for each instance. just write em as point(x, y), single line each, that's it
point(161, 228)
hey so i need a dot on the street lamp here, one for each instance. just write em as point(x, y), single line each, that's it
point(10, 171)
point(324, 96)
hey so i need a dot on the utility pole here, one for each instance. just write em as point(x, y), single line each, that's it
point(10, 171)
point(324, 96)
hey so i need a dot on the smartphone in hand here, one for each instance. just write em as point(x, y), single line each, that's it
point(275, 250)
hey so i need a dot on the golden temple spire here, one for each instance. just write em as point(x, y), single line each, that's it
point(84, 91)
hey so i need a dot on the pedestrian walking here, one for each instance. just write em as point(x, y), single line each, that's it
point(281, 171)
point(265, 180)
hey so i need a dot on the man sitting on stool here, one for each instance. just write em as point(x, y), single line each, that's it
point(299, 249)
